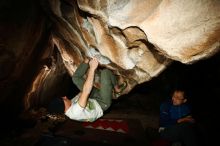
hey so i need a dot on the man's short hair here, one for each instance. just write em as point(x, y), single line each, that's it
point(56, 106)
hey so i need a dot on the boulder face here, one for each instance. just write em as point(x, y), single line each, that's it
point(137, 39)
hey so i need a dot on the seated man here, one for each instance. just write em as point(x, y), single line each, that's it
point(176, 122)
point(91, 102)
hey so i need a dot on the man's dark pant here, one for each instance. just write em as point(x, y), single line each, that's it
point(181, 132)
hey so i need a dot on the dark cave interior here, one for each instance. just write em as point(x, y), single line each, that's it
point(200, 79)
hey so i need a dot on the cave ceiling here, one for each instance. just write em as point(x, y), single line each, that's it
point(137, 39)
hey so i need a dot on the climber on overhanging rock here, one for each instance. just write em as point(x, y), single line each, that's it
point(91, 102)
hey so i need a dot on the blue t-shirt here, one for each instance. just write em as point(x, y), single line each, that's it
point(169, 113)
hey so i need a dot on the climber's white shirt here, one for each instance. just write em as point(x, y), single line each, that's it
point(90, 113)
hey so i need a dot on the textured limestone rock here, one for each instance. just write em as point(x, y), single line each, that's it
point(185, 31)
point(140, 37)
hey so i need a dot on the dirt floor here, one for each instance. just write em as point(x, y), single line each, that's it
point(141, 122)
point(139, 111)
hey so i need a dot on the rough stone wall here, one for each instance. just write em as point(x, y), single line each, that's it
point(140, 38)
